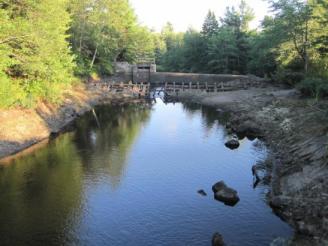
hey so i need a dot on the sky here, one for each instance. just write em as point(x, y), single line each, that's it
point(189, 13)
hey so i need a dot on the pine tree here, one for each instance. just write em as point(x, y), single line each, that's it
point(211, 25)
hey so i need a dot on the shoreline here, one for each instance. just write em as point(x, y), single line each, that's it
point(22, 129)
point(295, 132)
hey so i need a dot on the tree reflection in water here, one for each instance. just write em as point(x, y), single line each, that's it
point(41, 193)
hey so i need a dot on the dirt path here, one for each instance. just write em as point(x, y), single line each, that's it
point(296, 131)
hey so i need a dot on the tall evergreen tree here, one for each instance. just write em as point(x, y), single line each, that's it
point(210, 25)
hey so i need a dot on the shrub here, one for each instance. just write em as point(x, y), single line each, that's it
point(314, 86)
point(288, 77)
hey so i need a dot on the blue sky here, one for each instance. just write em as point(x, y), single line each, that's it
point(185, 13)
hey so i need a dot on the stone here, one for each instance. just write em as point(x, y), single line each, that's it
point(255, 172)
point(202, 192)
point(217, 240)
point(232, 144)
point(225, 194)
point(248, 129)
point(218, 186)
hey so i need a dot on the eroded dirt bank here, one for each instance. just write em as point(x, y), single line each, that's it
point(296, 131)
point(22, 128)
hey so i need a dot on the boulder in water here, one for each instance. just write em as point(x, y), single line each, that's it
point(225, 194)
point(232, 144)
point(217, 240)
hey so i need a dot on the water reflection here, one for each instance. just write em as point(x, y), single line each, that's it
point(134, 181)
point(41, 194)
point(105, 150)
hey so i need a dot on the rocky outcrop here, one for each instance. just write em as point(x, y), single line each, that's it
point(225, 194)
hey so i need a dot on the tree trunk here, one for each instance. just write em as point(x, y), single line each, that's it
point(306, 55)
point(94, 57)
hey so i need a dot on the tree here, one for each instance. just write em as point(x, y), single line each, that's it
point(262, 53)
point(246, 16)
point(223, 52)
point(36, 56)
point(210, 25)
point(192, 52)
point(238, 23)
point(292, 28)
point(106, 31)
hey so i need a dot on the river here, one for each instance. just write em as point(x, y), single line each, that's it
point(133, 180)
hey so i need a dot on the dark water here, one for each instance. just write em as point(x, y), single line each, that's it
point(134, 181)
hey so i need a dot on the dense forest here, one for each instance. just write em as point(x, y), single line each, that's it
point(291, 46)
point(46, 46)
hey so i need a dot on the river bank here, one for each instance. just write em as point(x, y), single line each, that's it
point(295, 129)
point(21, 128)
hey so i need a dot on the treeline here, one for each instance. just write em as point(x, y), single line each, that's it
point(291, 46)
point(45, 44)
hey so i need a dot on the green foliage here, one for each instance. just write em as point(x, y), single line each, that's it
point(36, 61)
point(218, 48)
point(43, 43)
point(223, 52)
point(291, 45)
point(106, 31)
point(211, 25)
point(314, 86)
point(288, 76)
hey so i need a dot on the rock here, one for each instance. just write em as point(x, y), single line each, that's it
point(255, 172)
point(218, 186)
point(248, 129)
point(278, 202)
point(217, 240)
point(232, 144)
point(225, 194)
point(202, 192)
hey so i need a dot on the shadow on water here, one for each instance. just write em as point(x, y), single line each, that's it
point(41, 194)
point(134, 181)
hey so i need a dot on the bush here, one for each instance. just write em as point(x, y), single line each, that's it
point(11, 93)
point(314, 86)
point(288, 77)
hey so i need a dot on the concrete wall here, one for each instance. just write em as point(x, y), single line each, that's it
point(141, 75)
point(123, 67)
point(192, 77)
point(146, 73)
point(123, 72)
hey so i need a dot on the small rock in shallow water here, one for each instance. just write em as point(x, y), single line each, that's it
point(232, 144)
point(202, 192)
point(225, 194)
point(217, 240)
